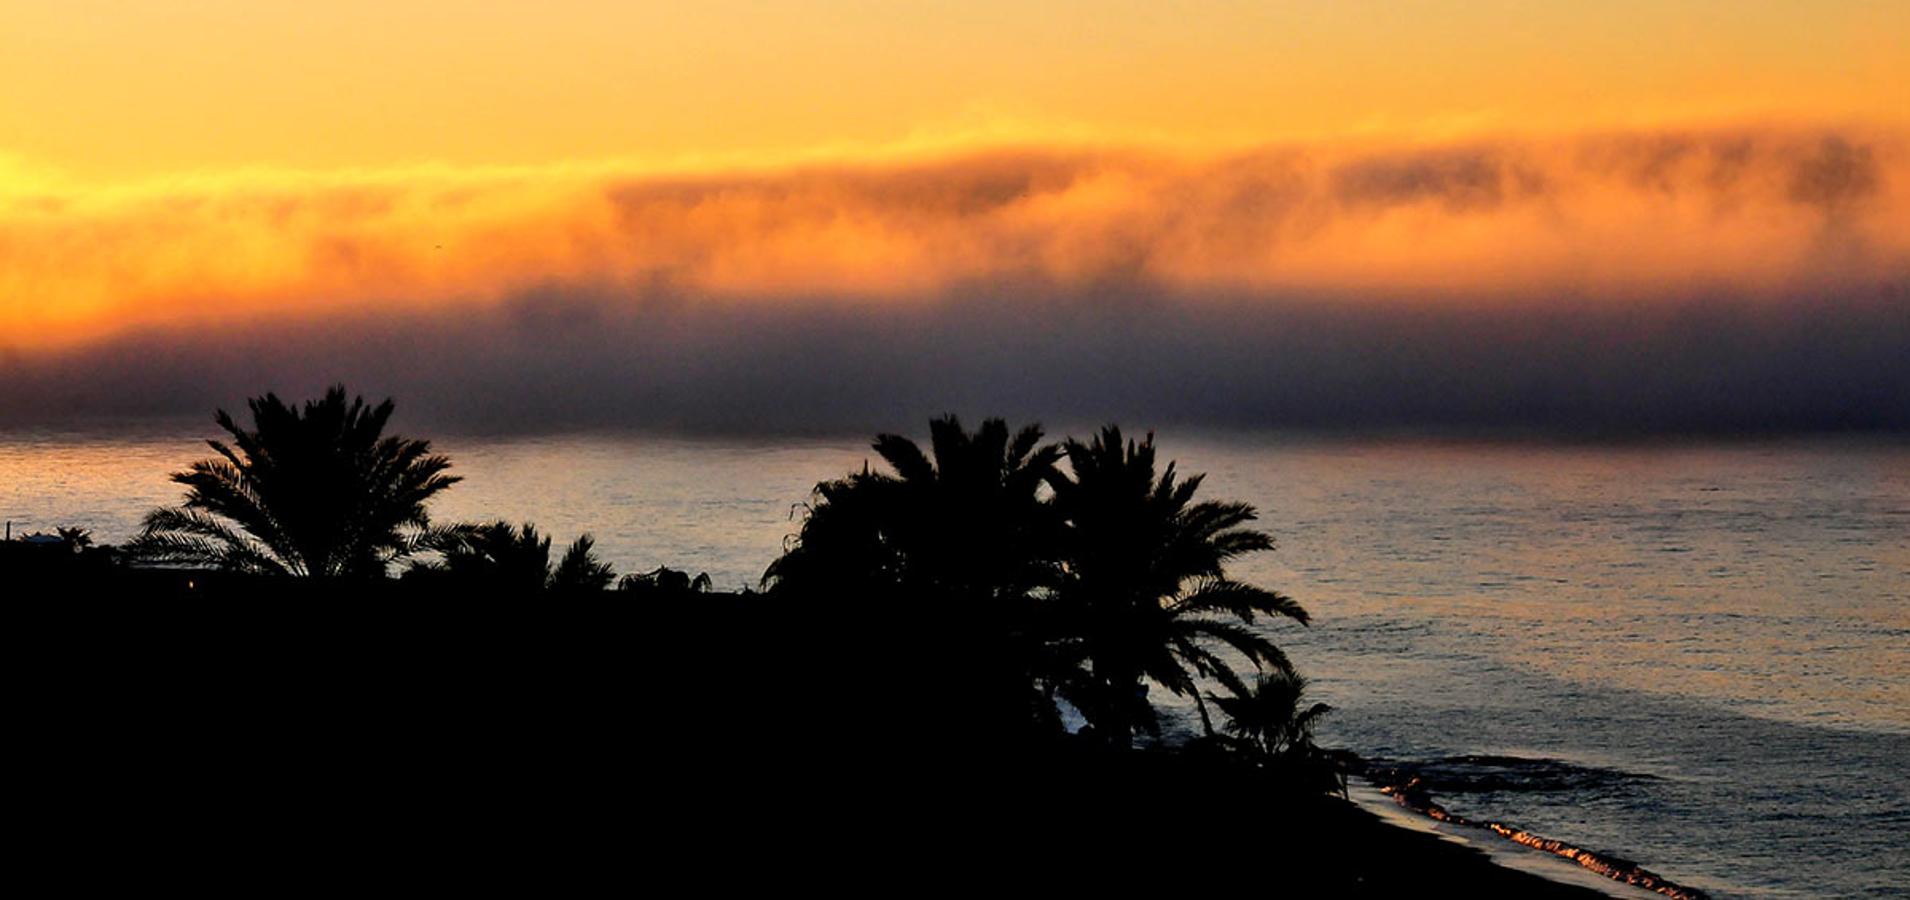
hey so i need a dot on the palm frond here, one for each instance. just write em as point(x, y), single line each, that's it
point(905, 458)
point(184, 536)
point(580, 570)
point(1245, 641)
point(1242, 601)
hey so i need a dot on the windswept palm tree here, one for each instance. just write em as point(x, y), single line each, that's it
point(1146, 584)
point(321, 492)
point(501, 558)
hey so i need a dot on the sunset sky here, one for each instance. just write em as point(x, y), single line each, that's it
point(171, 170)
point(111, 92)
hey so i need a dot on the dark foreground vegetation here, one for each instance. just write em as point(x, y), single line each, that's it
point(298, 651)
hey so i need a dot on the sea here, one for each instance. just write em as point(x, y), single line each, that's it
point(1691, 654)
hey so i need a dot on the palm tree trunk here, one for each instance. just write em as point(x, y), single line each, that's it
point(1206, 724)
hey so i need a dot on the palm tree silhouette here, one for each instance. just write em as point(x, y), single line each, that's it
point(1146, 587)
point(580, 569)
point(501, 558)
point(665, 581)
point(318, 493)
point(956, 549)
point(77, 539)
point(1269, 717)
point(967, 526)
point(1271, 722)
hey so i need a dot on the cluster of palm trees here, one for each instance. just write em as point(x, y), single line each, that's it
point(320, 491)
point(1075, 573)
point(1083, 572)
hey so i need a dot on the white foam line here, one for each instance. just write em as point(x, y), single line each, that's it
point(1501, 851)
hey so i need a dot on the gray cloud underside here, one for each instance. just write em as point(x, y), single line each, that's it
point(561, 358)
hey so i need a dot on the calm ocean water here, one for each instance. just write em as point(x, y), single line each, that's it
point(1696, 656)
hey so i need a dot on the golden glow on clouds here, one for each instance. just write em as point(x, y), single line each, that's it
point(1751, 213)
point(184, 162)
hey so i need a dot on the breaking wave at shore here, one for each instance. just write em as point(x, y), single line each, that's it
point(1412, 785)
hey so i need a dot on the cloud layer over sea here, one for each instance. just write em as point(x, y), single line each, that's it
point(1753, 279)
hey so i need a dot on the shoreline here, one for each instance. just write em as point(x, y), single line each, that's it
point(1410, 793)
point(1414, 796)
point(1371, 797)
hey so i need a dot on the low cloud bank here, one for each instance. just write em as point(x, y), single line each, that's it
point(556, 358)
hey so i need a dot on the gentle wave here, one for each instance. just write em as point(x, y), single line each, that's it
point(1412, 785)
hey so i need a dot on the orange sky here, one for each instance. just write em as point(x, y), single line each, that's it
point(166, 162)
